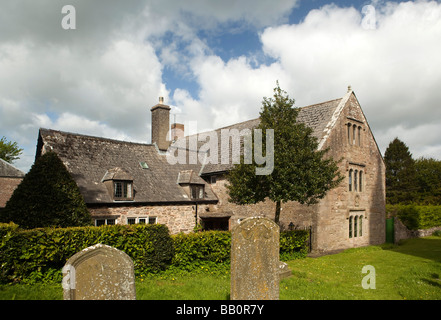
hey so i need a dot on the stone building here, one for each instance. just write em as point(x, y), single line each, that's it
point(124, 182)
point(10, 178)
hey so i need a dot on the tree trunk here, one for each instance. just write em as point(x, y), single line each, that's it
point(277, 215)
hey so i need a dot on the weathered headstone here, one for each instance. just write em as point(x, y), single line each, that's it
point(99, 272)
point(255, 260)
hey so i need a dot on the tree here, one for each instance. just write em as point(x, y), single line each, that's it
point(428, 179)
point(301, 172)
point(400, 173)
point(47, 197)
point(9, 151)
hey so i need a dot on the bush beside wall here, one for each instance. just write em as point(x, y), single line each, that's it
point(416, 217)
point(39, 254)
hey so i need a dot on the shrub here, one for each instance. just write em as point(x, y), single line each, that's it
point(293, 244)
point(47, 197)
point(32, 255)
point(409, 216)
point(415, 216)
point(39, 254)
point(202, 249)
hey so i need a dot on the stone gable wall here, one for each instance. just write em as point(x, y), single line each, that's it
point(330, 218)
point(7, 187)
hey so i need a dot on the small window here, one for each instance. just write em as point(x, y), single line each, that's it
point(123, 190)
point(350, 227)
point(360, 181)
point(359, 136)
point(144, 165)
point(142, 220)
point(354, 128)
point(350, 180)
point(355, 226)
point(360, 226)
point(349, 133)
point(213, 179)
point(355, 180)
point(103, 222)
point(197, 191)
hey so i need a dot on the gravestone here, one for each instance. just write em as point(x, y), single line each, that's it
point(255, 260)
point(99, 272)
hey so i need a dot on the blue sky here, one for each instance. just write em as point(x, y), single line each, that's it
point(214, 61)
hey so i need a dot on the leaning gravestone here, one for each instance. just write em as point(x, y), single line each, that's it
point(255, 260)
point(99, 272)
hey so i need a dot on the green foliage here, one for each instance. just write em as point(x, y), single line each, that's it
point(40, 254)
point(400, 173)
point(195, 251)
point(301, 172)
point(9, 151)
point(47, 197)
point(428, 179)
point(416, 217)
point(293, 244)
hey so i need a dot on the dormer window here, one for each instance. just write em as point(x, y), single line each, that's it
point(197, 191)
point(119, 184)
point(193, 185)
point(122, 190)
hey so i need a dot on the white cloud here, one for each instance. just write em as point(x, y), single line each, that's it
point(233, 91)
point(103, 77)
point(394, 69)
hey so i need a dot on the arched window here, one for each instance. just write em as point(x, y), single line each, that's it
point(359, 136)
point(355, 226)
point(360, 181)
point(354, 128)
point(350, 226)
point(355, 180)
point(350, 180)
point(360, 226)
point(349, 133)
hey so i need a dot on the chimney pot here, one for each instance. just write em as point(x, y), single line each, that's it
point(161, 100)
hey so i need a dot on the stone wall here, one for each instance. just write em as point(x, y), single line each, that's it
point(7, 187)
point(401, 232)
point(178, 218)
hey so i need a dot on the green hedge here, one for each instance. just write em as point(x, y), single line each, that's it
point(39, 254)
point(293, 244)
point(416, 217)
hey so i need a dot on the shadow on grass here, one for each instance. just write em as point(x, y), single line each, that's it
point(427, 248)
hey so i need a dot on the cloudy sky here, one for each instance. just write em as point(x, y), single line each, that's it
point(214, 61)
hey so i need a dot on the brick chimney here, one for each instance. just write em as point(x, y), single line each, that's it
point(161, 125)
point(177, 131)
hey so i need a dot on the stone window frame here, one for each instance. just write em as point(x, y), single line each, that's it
point(356, 177)
point(354, 132)
point(356, 225)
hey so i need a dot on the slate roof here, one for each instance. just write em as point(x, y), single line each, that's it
point(90, 160)
point(8, 170)
point(316, 116)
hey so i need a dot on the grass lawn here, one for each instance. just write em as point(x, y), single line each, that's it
point(410, 271)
